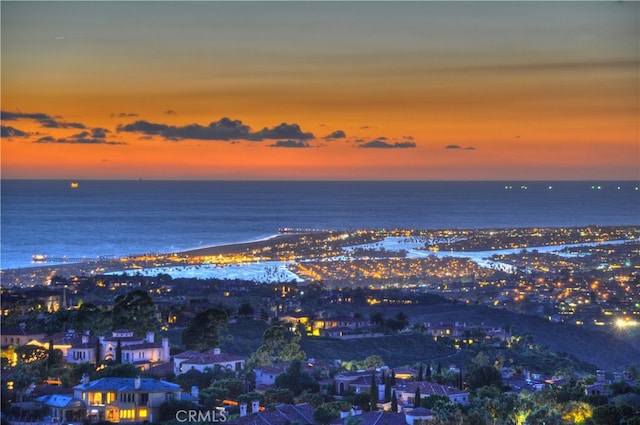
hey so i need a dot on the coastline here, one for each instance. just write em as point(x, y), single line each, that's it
point(36, 274)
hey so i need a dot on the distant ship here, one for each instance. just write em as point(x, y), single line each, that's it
point(74, 185)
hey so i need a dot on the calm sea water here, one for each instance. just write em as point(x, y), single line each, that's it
point(115, 218)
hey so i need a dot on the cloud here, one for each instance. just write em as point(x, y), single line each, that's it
point(381, 143)
point(44, 119)
point(407, 137)
point(124, 115)
point(223, 129)
point(169, 112)
point(338, 134)
point(9, 132)
point(290, 144)
point(468, 148)
point(97, 136)
point(284, 131)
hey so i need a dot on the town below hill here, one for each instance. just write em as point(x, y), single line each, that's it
point(405, 327)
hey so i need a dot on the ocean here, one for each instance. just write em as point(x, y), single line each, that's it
point(118, 218)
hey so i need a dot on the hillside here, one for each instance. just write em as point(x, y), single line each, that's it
point(577, 347)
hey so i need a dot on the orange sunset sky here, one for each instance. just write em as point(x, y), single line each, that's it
point(321, 90)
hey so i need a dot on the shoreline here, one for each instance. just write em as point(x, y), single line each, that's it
point(37, 274)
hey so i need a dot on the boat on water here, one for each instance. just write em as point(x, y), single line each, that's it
point(74, 185)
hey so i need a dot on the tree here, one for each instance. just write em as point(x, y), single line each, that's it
point(610, 414)
point(22, 379)
point(119, 352)
point(394, 402)
point(428, 373)
point(373, 361)
point(373, 393)
point(246, 310)
point(417, 397)
point(203, 331)
point(234, 386)
point(194, 378)
point(278, 396)
point(325, 414)
point(377, 318)
point(480, 376)
point(420, 372)
point(123, 370)
point(387, 389)
point(136, 312)
point(278, 344)
point(296, 379)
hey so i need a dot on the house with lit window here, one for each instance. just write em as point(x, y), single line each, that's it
point(125, 400)
point(82, 347)
point(143, 353)
point(19, 335)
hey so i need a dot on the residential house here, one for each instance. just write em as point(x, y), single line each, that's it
point(371, 418)
point(126, 400)
point(20, 335)
point(358, 382)
point(266, 375)
point(83, 348)
point(405, 392)
point(600, 387)
point(63, 408)
point(283, 414)
point(75, 347)
point(194, 360)
point(143, 353)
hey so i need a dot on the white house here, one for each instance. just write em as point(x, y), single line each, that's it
point(142, 352)
point(193, 360)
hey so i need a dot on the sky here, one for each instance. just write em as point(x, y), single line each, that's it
point(321, 90)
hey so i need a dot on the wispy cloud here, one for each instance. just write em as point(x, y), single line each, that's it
point(468, 148)
point(44, 119)
point(124, 115)
point(382, 143)
point(97, 136)
point(290, 144)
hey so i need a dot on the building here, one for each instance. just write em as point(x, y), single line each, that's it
point(125, 400)
point(20, 335)
point(405, 392)
point(63, 408)
point(266, 375)
point(358, 382)
point(83, 348)
point(414, 417)
point(143, 353)
point(284, 414)
point(213, 359)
